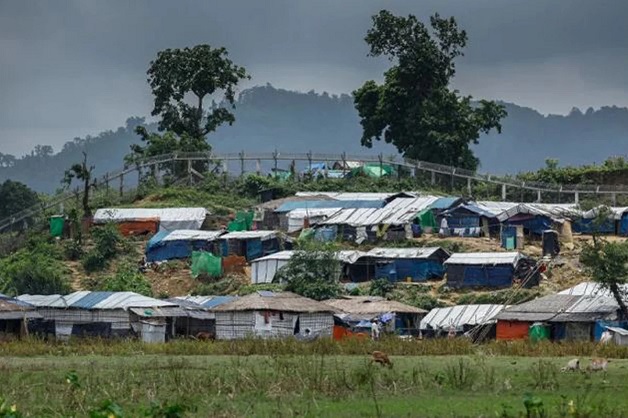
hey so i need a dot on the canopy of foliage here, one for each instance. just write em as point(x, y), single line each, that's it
point(415, 109)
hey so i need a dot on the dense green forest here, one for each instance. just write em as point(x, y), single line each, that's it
point(268, 118)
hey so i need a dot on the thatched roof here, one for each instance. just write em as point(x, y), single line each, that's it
point(358, 305)
point(271, 301)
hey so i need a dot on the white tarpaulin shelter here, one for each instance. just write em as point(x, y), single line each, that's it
point(263, 269)
point(169, 218)
point(459, 316)
point(400, 211)
point(485, 258)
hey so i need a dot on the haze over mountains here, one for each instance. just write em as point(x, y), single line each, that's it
point(269, 118)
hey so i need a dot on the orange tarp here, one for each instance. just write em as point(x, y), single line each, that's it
point(233, 264)
point(512, 330)
point(139, 227)
point(341, 332)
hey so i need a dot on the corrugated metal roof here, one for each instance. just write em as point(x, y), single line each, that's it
point(592, 288)
point(330, 204)
point(91, 299)
point(263, 235)
point(192, 235)
point(425, 252)
point(40, 300)
point(95, 300)
point(346, 256)
point(485, 258)
point(398, 212)
point(459, 316)
point(164, 214)
point(304, 213)
point(562, 308)
point(349, 195)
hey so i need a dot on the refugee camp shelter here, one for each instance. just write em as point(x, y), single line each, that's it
point(273, 315)
point(567, 317)
point(106, 314)
point(397, 317)
point(265, 269)
point(470, 220)
point(617, 221)
point(249, 244)
point(266, 216)
point(393, 222)
point(406, 264)
point(461, 318)
point(536, 218)
point(166, 245)
point(619, 335)
point(490, 270)
point(134, 221)
point(15, 316)
point(199, 317)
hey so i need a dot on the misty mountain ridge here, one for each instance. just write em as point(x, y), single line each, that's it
point(268, 118)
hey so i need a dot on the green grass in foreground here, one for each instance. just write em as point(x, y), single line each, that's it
point(312, 385)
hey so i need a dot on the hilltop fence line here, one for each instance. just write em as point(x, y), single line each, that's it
point(156, 164)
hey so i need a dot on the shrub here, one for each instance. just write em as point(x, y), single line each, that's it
point(314, 273)
point(127, 279)
point(33, 271)
point(73, 250)
point(381, 287)
point(107, 240)
point(94, 261)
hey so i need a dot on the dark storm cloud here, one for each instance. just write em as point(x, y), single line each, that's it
point(70, 68)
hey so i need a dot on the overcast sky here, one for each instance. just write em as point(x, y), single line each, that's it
point(77, 67)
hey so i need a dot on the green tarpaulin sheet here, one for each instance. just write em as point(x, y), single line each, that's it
point(374, 170)
point(427, 220)
point(56, 226)
point(539, 332)
point(306, 234)
point(206, 263)
point(242, 222)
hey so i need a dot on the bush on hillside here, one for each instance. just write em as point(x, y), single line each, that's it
point(126, 279)
point(313, 272)
point(381, 287)
point(35, 269)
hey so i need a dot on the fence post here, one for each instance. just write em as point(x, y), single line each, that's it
point(275, 154)
point(344, 164)
point(614, 198)
point(469, 186)
point(121, 185)
point(576, 197)
point(241, 163)
point(433, 177)
point(538, 195)
point(258, 166)
point(503, 192)
point(309, 161)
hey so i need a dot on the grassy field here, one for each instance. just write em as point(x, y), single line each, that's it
point(308, 385)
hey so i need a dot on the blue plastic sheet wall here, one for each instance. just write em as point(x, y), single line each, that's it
point(600, 327)
point(253, 249)
point(623, 226)
point(487, 276)
point(417, 270)
point(469, 221)
point(536, 225)
point(586, 226)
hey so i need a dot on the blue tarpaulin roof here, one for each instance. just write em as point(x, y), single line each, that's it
point(91, 299)
point(218, 300)
point(321, 204)
point(445, 202)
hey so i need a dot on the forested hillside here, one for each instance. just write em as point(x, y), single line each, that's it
point(268, 118)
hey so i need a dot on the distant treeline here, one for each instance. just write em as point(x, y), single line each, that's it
point(268, 118)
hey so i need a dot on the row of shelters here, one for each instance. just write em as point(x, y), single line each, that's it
point(479, 270)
